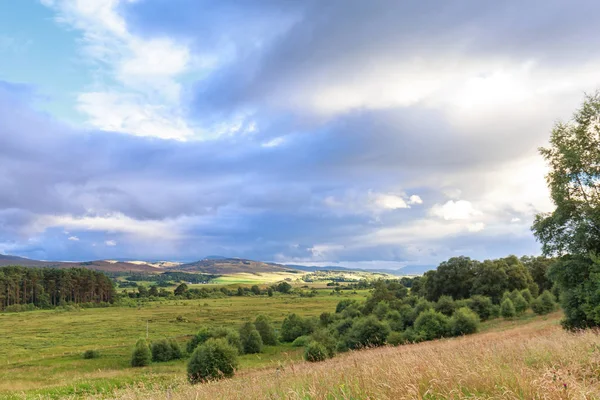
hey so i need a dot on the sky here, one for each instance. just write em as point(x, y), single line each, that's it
point(340, 132)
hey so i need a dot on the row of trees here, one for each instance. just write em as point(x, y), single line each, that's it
point(48, 287)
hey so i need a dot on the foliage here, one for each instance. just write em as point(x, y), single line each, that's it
point(89, 354)
point(294, 326)
point(315, 352)
point(464, 322)
point(301, 341)
point(395, 338)
point(432, 325)
point(507, 308)
point(141, 355)
point(176, 352)
point(367, 331)
point(161, 351)
point(181, 289)
point(265, 328)
point(452, 278)
point(251, 340)
point(544, 304)
point(214, 359)
point(519, 302)
point(445, 305)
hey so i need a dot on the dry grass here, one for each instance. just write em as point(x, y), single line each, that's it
point(533, 361)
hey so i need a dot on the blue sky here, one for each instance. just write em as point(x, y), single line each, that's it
point(370, 134)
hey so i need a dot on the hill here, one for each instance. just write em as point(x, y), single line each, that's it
point(232, 266)
point(404, 271)
point(98, 265)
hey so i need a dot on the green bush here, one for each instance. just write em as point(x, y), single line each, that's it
point(342, 305)
point(161, 351)
point(325, 338)
point(526, 293)
point(214, 359)
point(507, 308)
point(266, 330)
point(202, 336)
point(483, 306)
point(251, 341)
point(445, 305)
point(141, 355)
point(294, 326)
point(544, 304)
point(89, 354)
point(411, 336)
point(301, 341)
point(519, 302)
point(176, 352)
point(234, 340)
point(395, 338)
point(314, 352)
point(432, 325)
point(381, 309)
point(368, 331)
point(464, 322)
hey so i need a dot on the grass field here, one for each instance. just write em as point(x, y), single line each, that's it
point(40, 351)
point(531, 358)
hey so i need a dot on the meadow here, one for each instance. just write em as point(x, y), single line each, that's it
point(529, 358)
point(41, 351)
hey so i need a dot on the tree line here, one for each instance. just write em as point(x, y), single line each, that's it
point(48, 287)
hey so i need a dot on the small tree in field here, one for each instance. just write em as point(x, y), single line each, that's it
point(251, 341)
point(314, 352)
point(544, 304)
point(215, 359)
point(507, 309)
point(464, 322)
point(519, 302)
point(161, 351)
point(266, 330)
point(141, 355)
point(432, 325)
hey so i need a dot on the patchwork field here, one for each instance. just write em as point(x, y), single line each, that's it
point(40, 351)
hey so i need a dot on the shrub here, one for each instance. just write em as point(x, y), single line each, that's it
point(411, 336)
point(526, 293)
point(294, 326)
point(141, 355)
point(301, 341)
point(368, 331)
point(326, 318)
point(483, 306)
point(215, 359)
point(89, 354)
point(381, 309)
point(251, 341)
point(323, 337)
point(432, 325)
point(176, 352)
point(395, 338)
point(314, 352)
point(235, 341)
point(342, 305)
point(445, 305)
point(266, 330)
point(507, 309)
point(544, 304)
point(202, 336)
point(395, 320)
point(519, 302)
point(161, 351)
point(464, 322)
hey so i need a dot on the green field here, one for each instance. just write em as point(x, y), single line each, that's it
point(40, 351)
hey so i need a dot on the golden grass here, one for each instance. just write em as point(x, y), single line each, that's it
point(537, 360)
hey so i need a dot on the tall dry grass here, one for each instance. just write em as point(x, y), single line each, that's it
point(533, 361)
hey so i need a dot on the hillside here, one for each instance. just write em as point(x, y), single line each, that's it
point(98, 265)
point(229, 266)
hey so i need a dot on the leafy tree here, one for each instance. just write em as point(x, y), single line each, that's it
point(284, 287)
point(181, 289)
point(153, 291)
point(526, 293)
point(294, 326)
point(464, 322)
point(141, 355)
point(266, 330)
point(251, 341)
point(490, 280)
point(142, 291)
point(301, 341)
point(451, 278)
point(176, 352)
point(270, 292)
point(342, 305)
point(315, 352)
point(214, 359)
point(544, 304)
point(240, 291)
point(255, 290)
point(395, 338)
point(445, 305)
point(161, 351)
point(89, 354)
point(324, 337)
point(432, 325)
point(325, 319)
point(368, 331)
point(538, 268)
point(507, 308)
point(519, 302)
point(202, 336)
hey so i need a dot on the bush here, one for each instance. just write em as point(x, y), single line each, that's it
point(234, 340)
point(301, 341)
point(141, 355)
point(161, 351)
point(507, 309)
point(89, 354)
point(342, 305)
point(395, 338)
point(251, 341)
point(294, 326)
point(202, 336)
point(483, 306)
point(519, 302)
point(445, 305)
point(381, 309)
point(432, 325)
point(464, 322)
point(544, 304)
point(314, 352)
point(324, 338)
point(215, 359)
point(176, 352)
point(266, 330)
point(526, 293)
point(368, 331)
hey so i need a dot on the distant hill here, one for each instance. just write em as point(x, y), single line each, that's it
point(406, 270)
point(98, 265)
point(232, 266)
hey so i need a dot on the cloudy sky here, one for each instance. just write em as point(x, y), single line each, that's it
point(365, 133)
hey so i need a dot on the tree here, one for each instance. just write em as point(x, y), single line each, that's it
point(451, 278)
point(314, 352)
point(544, 304)
point(538, 268)
point(215, 359)
point(153, 291)
point(368, 331)
point(294, 326)
point(176, 352)
point(507, 308)
point(251, 341)
point(574, 226)
point(464, 322)
point(445, 305)
point(141, 355)
point(181, 289)
point(270, 292)
point(161, 351)
point(266, 330)
point(284, 287)
point(519, 302)
point(432, 325)
point(255, 290)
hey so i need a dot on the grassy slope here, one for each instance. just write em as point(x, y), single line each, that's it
point(41, 350)
point(527, 359)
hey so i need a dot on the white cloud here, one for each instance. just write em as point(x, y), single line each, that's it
point(390, 201)
point(476, 227)
point(110, 243)
point(74, 238)
point(414, 199)
point(515, 219)
point(455, 210)
point(274, 142)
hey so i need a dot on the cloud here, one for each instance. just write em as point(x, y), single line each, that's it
point(110, 243)
point(74, 238)
point(453, 210)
